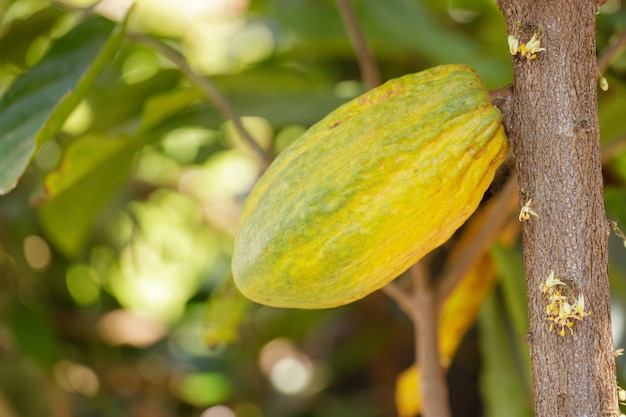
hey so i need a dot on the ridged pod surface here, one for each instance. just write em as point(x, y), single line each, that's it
point(369, 190)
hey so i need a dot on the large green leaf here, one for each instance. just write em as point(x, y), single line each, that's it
point(396, 28)
point(224, 313)
point(509, 263)
point(283, 96)
point(36, 105)
point(507, 378)
point(611, 106)
point(92, 170)
point(32, 334)
point(615, 201)
point(85, 181)
point(504, 392)
point(23, 27)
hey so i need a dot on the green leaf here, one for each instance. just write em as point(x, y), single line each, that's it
point(396, 28)
point(513, 315)
point(25, 25)
point(36, 105)
point(610, 111)
point(510, 265)
point(615, 201)
point(82, 186)
point(32, 334)
point(225, 312)
point(85, 182)
point(283, 96)
point(503, 390)
point(163, 106)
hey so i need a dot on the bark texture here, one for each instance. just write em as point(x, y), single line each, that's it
point(553, 124)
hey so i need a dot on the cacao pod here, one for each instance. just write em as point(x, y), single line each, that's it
point(369, 190)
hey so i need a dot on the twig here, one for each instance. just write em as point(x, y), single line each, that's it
point(208, 89)
point(604, 60)
point(403, 298)
point(501, 98)
point(367, 64)
point(498, 214)
point(433, 388)
point(82, 10)
point(420, 278)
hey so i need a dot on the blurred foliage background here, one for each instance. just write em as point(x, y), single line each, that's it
point(115, 289)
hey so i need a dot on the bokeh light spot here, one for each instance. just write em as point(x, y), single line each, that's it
point(74, 377)
point(79, 120)
point(218, 411)
point(217, 46)
point(184, 143)
point(287, 136)
point(153, 368)
point(289, 370)
point(49, 156)
point(37, 252)
point(82, 284)
point(261, 130)
point(204, 389)
point(291, 375)
point(348, 89)
point(139, 66)
point(123, 327)
point(248, 410)
point(617, 321)
point(166, 259)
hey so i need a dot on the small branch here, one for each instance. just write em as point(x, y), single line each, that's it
point(403, 298)
point(208, 89)
point(421, 307)
point(365, 58)
point(604, 60)
point(498, 214)
point(433, 388)
point(501, 98)
point(82, 10)
point(420, 278)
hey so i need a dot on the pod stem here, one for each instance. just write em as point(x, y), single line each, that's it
point(367, 64)
point(432, 384)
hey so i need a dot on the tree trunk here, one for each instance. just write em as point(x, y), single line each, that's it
point(553, 125)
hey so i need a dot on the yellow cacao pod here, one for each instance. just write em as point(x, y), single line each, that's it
point(369, 190)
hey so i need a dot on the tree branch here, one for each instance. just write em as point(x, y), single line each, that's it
point(555, 136)
point(433, 387)
point(501, 98)
point(403, 299)
point(208, 90)
point(365, 58)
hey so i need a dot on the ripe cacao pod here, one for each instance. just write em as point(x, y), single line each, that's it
point(369, 190)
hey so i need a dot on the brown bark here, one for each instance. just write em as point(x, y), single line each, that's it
point(432, 384)
point(553, 124)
